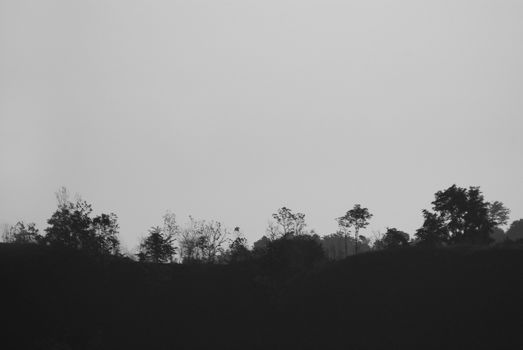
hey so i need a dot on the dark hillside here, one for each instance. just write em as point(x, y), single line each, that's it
point(449, 298)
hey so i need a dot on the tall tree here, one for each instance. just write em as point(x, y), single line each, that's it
point(157, 246)
point(357, 218)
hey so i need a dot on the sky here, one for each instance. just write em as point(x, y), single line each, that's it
point(229, 110)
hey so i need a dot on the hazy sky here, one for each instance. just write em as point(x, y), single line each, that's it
point(228, 110)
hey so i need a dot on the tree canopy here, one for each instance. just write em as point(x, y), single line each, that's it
point(460, 216)
point(157, 246)
point(72, 226)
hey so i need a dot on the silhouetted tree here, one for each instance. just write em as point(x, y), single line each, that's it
point(460, 216)
point(357, 218)
point(392, 239)
point(289, 223)
point(71, 226)
point(157, 247)
point(238, 250)
point(433, 232)
point(498, 213)
point(515, 232)
point(22, 233)
point(106, 228)
point(202, 241)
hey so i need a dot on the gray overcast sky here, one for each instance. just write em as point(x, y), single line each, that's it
point(229, 110)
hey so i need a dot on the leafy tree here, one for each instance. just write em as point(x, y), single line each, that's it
point(157, 247)
point(357, 218)
point(499, 216)
point(106, 229)
point(393, 238)
point(434, 231)
point(22, 233)
point(70, 226)
point(498, 213)
point(460, 216)
point(515, 232)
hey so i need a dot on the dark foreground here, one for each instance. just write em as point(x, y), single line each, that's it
point(411, 299)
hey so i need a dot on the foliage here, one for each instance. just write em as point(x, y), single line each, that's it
point(288, 223)
point(433, 232)
point(515, 232)
point(106, 229)
point(293, 253)
point(157, 247)
point(357, 218)
point(460, 216)
point(71, 226)
point(261, 245)
point(21, 233)
point(498, 235)
point(202, 241)
point(238, 249)
point(393, 239)
point(498, 213)
point(334, 245)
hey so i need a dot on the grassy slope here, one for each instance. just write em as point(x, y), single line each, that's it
point(390, 300)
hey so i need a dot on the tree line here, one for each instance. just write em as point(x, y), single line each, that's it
point(459, 216)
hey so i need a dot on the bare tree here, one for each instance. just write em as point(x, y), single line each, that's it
point(289, 222)
point(273, 231)
point(202, 240)
point(62, 197)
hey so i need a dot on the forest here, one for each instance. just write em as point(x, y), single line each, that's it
point(454, 283)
